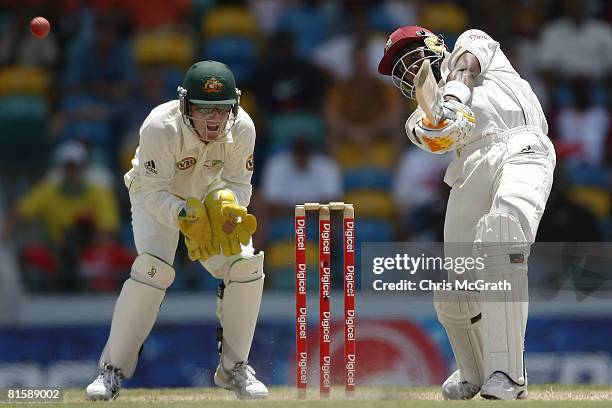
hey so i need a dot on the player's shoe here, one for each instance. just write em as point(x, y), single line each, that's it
point(106, 386)
point(241, 379)
point(455, 389)
point(500, 387)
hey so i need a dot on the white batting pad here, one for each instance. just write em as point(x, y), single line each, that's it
point(502, 242)
point(240, 308)
point(460, 314)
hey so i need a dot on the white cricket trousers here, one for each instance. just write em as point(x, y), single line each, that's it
point(506, 171)
point(505, 175)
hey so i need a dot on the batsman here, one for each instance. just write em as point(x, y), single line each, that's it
point(191, 176)
point(473, 103)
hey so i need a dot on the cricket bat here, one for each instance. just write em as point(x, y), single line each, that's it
point(427, 93)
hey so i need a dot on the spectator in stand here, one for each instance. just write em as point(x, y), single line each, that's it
point(267, 13)
point(298, 176)
point(334, 53)
point(70, 209)
point(446, 18)
point(295, 176)
point(492, 17)
point(424, 171)
point(148, 91)
point(104, 264)
point(157, 14)
point(426, 222)
point(101, 65)
point(361, 109)
point(287, 82)
point(421, 200)
point(96, 79)
point(309, 20)
point(583, 127)
point(528, 19)
point(394, 13)
point(564, 220)
point(575, 45)
point(95, 173)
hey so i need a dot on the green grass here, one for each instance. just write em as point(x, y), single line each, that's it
point(553, 396)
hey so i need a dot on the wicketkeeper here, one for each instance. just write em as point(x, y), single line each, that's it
point(191, 175)
point(500, 177)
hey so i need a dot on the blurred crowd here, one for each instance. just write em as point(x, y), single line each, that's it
point(329, 128)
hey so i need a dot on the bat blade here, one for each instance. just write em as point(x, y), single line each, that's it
point(427, 93)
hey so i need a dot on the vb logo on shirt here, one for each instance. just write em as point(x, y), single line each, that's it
point(186, 163)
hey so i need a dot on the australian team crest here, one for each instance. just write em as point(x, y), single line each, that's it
point(213, 85)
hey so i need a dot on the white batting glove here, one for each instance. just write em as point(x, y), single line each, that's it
point(451, 133)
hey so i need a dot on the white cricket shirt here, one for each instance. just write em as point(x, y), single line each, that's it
point(501, 98)
point(171, 164)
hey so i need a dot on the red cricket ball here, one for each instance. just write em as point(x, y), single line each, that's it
point(40, 27)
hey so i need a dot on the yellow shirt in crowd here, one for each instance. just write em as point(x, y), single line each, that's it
point(60, 211)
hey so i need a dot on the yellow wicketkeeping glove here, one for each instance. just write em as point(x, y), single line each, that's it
point(195, 226)
point(231, 224)
point(245, 229)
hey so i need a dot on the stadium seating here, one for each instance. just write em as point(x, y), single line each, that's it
point(371, 203)
point(280, 262)
point(367, 177)
point(284, 128)
point(239, 53)
point(373, 230)
point(22, 80)
point(309, 24)
point(163, 48)
point(282, 228)
point(381, 154)
point(97, 131)
point(596, 199)
point(248, 102)
point(587, 175)
point(23, 142)
point(229, 21)
point(445, 18)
